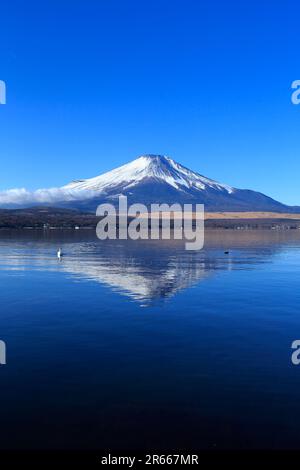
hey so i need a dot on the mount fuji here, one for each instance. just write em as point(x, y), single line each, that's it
point(159, 179)
point(148, 179)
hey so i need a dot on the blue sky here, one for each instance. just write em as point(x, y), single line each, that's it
point(93, 84)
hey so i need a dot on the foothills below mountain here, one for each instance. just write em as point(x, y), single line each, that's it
point(48, 218)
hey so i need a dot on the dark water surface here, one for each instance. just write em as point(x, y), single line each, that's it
point(142, 345)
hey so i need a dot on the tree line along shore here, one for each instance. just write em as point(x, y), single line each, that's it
point(49, 219)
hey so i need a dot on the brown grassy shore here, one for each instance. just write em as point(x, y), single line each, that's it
point(246, 220)
point(250, 215)
point(239, 215)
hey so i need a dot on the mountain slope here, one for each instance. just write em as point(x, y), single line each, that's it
point(148, 179)
point(157, 179)
point(158, 167)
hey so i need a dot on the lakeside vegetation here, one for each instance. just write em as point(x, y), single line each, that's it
point(55, 218)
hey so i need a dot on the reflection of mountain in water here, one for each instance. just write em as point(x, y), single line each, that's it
point(143, 272)
point(148, 270)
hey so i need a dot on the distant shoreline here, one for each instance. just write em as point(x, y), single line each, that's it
point(60, 219)
point(251, 215)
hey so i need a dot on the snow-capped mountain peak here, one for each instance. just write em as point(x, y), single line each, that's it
point(157, 167)
point(150, 179)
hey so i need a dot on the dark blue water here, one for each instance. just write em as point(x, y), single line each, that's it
point(143, 345)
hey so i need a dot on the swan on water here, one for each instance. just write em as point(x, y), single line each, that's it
point(59, 253)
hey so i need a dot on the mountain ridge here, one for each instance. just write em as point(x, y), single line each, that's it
point(159, 179)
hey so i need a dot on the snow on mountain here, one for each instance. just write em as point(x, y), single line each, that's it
point(159, 167)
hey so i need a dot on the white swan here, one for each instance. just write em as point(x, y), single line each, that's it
point(59, 253)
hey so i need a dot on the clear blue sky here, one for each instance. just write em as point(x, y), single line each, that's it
point(93, 84)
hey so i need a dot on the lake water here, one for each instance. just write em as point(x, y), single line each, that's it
point(143, 345)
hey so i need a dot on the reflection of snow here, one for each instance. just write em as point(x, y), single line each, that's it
point(138, 281)
point(142, 272)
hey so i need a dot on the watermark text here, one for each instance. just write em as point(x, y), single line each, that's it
point(164, 222)
point(295, 98)
point(2, 92)
point(2, 353)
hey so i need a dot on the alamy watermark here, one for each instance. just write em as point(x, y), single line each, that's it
point(2, 353)
point(295, 358)
point(2, 92)
point(163, 221)
point(295, 98)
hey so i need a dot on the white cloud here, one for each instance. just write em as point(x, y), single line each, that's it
point(21, 196)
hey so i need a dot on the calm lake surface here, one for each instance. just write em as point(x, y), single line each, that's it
point(143, 345)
